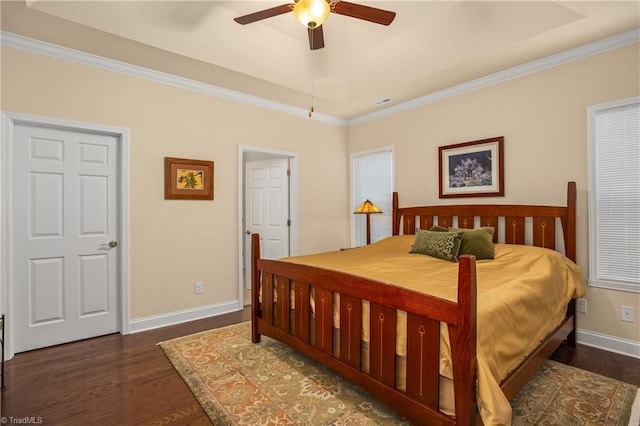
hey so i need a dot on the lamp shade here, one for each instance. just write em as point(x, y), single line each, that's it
point(311, 13)
point(367, 208)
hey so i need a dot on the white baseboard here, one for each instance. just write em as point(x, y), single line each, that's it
point(609, 343)
point(178, 317)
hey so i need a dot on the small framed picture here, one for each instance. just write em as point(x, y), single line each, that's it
point(472, 169)
point(186, 179)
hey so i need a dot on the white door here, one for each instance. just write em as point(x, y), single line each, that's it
point(266, 209)
point(65, 228)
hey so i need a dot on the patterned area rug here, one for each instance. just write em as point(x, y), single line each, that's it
point(239, 383)
point(563, 395)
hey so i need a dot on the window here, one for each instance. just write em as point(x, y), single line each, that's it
point(614, 195)
point(372, 179)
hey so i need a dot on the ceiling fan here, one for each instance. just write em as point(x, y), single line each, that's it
point(312, 13)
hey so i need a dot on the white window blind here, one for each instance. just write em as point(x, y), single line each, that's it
point(614, 196)
point(372, 179)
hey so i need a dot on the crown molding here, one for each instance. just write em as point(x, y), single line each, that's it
point(561, 58)
point(44, 48)
point(72, 55)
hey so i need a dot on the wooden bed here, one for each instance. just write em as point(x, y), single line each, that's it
point(419, 403)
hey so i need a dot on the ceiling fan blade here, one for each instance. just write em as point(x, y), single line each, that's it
point(316, 38)
point(371, 14)
point(264, 14)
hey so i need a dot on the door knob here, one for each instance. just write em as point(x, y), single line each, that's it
point(247, 232)
point(113, 243)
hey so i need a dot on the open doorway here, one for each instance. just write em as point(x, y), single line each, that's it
point(267, 204)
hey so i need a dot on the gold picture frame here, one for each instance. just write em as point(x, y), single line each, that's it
point(186, 179)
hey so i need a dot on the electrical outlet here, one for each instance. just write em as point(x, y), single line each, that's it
point(199, 287)
point(581, 305)
point(626, 313)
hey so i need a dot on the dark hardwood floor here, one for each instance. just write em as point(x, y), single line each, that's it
point(609, 364)
point(108, 380)
point(127, 380)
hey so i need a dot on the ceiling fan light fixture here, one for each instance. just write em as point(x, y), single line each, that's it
point(311, 13)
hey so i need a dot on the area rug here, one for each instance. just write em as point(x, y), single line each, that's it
point(239, 383)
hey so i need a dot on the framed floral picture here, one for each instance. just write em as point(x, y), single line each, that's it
point(472, 169)
point(186, 179)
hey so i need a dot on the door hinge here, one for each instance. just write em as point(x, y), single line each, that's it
point(288, 172)
point(288, 222)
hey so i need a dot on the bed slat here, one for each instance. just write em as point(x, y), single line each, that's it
point(445, 221)
point(544, 232)
point(267, 297)
point(283, 304)
point(302, 311)
point(324, 320)
point(409, 225)
point(351, 325)
point(514, 230)
point(465, 222)
point(423, 351)
point(382, 344)
point(493, 222)
point(426, 222)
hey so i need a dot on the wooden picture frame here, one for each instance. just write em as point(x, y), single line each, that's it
point(472, 169)
point(186, 179)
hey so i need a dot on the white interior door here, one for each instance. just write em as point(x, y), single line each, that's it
point(266, 209)
point(65, 229)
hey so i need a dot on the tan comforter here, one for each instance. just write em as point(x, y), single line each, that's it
point(522, 297)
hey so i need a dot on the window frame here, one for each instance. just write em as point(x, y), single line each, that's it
point(593, 279)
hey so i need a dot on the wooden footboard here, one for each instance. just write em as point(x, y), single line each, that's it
point(274, 317)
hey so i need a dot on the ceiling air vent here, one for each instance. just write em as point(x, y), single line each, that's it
point(382, 101)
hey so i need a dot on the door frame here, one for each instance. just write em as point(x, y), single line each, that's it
point(293, 206)
point(9, 121)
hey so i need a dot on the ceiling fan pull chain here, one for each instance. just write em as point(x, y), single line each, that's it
point(311, 92)
point(311, 109)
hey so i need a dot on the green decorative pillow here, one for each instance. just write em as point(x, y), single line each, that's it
point(442, 245)
point(478, 242)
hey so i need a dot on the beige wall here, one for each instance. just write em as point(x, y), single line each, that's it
point(176, 243)
point(543, 119)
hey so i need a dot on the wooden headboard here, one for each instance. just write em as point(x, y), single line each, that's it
point(510, 220)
